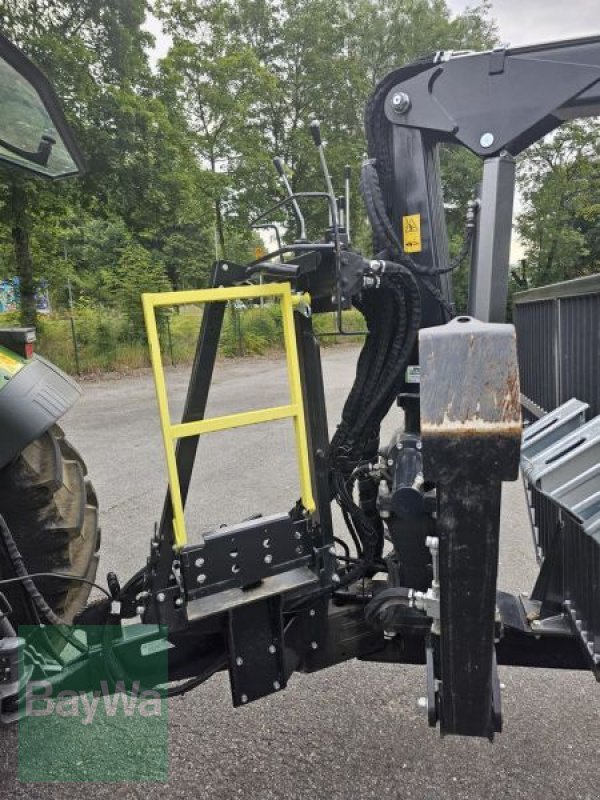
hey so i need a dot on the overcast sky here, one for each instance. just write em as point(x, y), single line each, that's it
point(519, 21)
point(530, 21)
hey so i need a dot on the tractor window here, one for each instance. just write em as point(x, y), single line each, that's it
point(33, 132)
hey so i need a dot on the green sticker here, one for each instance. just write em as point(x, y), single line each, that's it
point(10, 363)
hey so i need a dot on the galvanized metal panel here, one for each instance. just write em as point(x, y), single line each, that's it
point(535, 324)
point(579, 339)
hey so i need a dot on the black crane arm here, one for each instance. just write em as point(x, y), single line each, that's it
point(496, 104)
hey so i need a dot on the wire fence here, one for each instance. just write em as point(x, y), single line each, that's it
point(92, 340)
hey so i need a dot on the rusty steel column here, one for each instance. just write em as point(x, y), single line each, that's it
point(471, 428)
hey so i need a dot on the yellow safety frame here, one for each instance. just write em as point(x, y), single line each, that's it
point(295, 409)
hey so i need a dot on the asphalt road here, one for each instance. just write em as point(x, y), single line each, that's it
point(353, 731)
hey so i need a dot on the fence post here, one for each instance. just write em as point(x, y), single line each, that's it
point(236, 321)
point(73, 330)
point(170, 340)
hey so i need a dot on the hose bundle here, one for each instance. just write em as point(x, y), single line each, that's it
point(392, 313)
point(387, 242)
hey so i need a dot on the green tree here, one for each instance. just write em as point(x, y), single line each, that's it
point(141, 168)
point(254, 73)
point(81, 47)
point(217, 82)
point(560, 186)
point(135, 274)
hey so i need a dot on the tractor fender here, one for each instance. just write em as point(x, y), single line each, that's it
point(31, 401)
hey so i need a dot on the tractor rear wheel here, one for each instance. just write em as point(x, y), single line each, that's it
point(51, 509)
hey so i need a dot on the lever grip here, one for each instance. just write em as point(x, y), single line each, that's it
point(315, 132)
point(278, 164)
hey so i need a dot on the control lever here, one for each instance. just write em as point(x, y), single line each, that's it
point(278, 164)
point(347, 174)
point(315, 130)
point(340, 210)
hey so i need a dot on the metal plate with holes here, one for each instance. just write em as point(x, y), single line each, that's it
point(241, 556)
point(255, 646)
point(283, 583)
point(561, 458)
point(566, 459)
point(552, 427)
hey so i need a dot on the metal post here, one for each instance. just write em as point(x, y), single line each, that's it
point(488, 288)
point(73, 331)
point(170, 340)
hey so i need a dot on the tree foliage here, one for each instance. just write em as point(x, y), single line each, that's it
point(560, 224)
point(179, 157)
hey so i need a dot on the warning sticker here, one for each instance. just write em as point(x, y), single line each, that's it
point(411, 230)
point(8, 363)
point(413, 374)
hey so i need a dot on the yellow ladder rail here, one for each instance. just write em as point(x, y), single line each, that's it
point(173, 431)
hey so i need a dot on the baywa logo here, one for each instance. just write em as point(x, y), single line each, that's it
point(83, 718)
point(39, 701)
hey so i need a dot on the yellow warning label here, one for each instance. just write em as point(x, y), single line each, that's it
point(9, 364)
point(411, 230)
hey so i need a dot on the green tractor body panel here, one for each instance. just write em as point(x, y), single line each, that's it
point(10, 364)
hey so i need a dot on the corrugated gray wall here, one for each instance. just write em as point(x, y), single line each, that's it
point(558, 342)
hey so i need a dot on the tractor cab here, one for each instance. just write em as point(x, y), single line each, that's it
point(34, 134)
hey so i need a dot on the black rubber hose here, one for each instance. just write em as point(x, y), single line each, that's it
point(21, 570)
point(6, 629)
point(33, 593)
point(372, 189)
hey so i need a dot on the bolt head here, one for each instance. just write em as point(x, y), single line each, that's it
point(272, 649)
point(268, 558)
point(276, 685)
point(160, 597)
point(422, 702)
point(201, 578)
point(487, 139)
point(312, 612)
point(244, 698)
point(224, 267)
point(239, 661)
point(199, 562)
point(314, 645)
point(400, 102)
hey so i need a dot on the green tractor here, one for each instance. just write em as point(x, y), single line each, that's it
point(46, 499)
